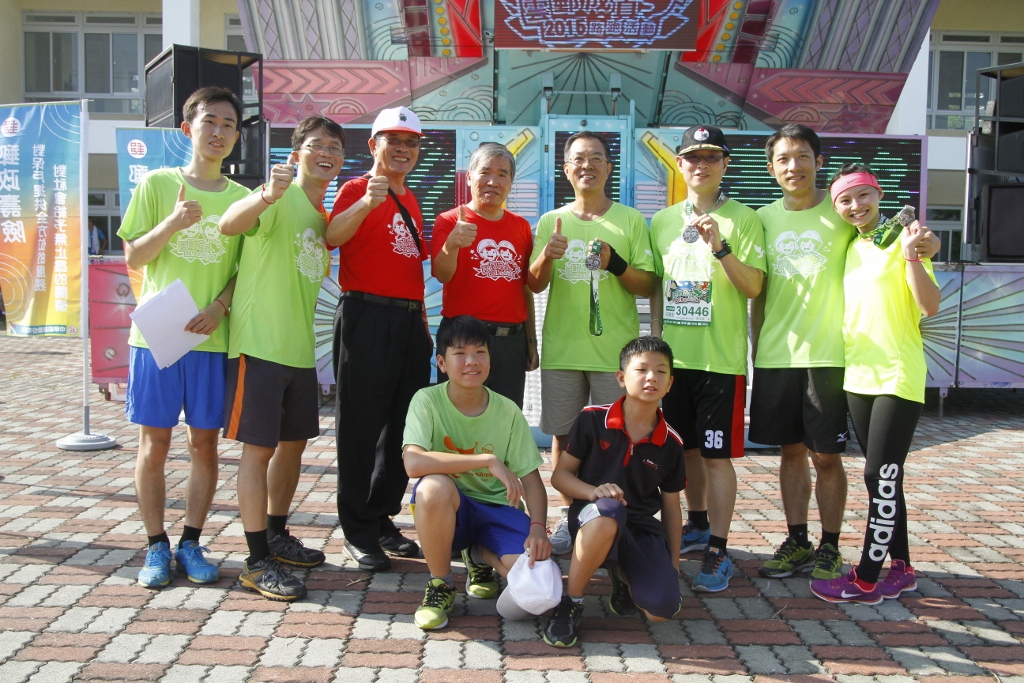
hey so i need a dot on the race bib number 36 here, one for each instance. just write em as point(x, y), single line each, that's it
point(687, 302)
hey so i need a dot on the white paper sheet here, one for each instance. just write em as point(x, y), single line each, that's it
point(162, 321)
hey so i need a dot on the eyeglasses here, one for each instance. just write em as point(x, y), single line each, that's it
point(596, 162)
point(395, 141)
point(696, 159)
point(333, 150)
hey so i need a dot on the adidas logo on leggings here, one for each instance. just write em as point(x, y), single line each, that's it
point(885, 506)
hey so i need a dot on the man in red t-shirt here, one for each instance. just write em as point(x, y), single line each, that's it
point(382, 346)
point(480, 252)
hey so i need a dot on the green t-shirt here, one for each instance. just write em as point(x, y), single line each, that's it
point(568, 344)
point(686, 270)
point(284, 262)
point(882, 324)
point(200, 255)
point(435, 424)
point(803, 313)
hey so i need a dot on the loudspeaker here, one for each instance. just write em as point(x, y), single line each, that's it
point(1002, 221)
point(1010, 103)
point(1011, 152)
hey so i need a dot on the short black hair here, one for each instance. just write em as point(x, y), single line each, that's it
point(847, 169)
point(793, 131)
point(212, 94)
point(642, 345)
point(313, 123)
point(586, 135)
point(461, 330)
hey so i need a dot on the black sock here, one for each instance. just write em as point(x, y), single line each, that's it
point(717, 542)
point(160, 538)
point(189, 534)
point(276, 525)
point(829, 537)
point(259, 546)
point(798, 532)
point(699, 519)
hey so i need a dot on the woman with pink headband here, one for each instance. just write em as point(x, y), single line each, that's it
point(887, 288)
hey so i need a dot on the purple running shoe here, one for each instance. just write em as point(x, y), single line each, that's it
point(900, 578)
point(844, 589)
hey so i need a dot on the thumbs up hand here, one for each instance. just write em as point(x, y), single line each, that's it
point(463, 234)
point(281, 176)
point(557, 244)
point(186, 213)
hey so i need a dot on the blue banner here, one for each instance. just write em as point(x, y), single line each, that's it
point(141, 150)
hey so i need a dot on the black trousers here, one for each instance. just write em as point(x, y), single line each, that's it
point(381, 359)
point(509, 356)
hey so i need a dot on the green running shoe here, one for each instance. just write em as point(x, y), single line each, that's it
point(790, 558)
point(438, 600)
point(481, 583)
point(828, 563)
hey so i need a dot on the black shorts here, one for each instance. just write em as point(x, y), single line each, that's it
point(706, 408)
point(799, 405)
point(267, 402)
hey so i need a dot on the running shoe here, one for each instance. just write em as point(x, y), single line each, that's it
point(561, 539)
point(271, 579)
point(899, 579)
point(438, 600)
point(828, 563)
point(715, 572)
point(620, 602)
point(189, 557)
point(289, 550)
point(791, 557)
point(844, 589)
point(694, 538)
point(563, 629)
point(156, 571)
point(481, 582)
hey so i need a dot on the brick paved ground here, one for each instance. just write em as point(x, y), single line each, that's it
point(71, 543)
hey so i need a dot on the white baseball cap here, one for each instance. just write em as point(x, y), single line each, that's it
point(397, 120)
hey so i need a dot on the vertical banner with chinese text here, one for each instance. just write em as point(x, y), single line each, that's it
point(141, 150)
point(41, 164)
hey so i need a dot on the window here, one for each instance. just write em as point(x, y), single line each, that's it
point(101, 57)
point(953, 63)
point(947, 223)
point(105, 214)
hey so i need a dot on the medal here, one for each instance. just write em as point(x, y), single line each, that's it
point(593, 264)
point(593, 261)
point(691, 234)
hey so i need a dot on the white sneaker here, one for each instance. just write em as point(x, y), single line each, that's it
point(561, 540)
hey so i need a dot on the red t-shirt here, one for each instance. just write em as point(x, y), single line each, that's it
point(382, 258)
point(490, 275)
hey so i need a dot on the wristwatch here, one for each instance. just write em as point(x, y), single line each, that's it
point(726, 250)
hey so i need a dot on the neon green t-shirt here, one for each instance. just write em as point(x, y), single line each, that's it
point(882, 324)
point(200, 255)
point(685, 269)
point(803, 313)
point(284, 262)
point(435, 424)
point(568, 344)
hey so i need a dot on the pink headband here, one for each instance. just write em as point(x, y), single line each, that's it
point(845, 182)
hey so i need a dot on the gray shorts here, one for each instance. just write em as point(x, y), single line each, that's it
point(564, 393)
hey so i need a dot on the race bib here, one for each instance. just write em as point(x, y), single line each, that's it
point(687, 302)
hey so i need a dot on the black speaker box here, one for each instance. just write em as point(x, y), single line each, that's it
point(1011, 98)
point(1002, 211)
point(1011, 152)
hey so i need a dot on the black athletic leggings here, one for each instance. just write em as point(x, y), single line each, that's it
point(884, 426)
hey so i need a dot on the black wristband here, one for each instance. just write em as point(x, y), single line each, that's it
point(616, 264)
point(726, 250)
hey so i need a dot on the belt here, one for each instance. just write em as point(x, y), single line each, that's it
point(503, 329)
point(407, 304)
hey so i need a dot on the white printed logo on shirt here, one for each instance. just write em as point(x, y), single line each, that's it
point(404, 243)
point(201, 242)
point(498, 261)
point(574, 267)
point(313, 260)
point(799, 254)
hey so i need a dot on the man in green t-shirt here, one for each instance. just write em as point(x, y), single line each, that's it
point(709, 252)
point(797, 400)
point(272, 402)
point(591, 313)
point(170, 233)
point(476, 460)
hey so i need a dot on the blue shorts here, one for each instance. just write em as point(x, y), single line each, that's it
point(195, 382)
point(499, 528)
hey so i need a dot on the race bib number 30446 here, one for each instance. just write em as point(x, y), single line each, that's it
point(687, 302)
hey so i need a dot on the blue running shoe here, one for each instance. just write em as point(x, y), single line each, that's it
point(156, 572)
point(189, 557)
point(715, 572)
point(694, 538)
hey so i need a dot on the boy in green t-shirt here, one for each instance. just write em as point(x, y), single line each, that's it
point(272, 395)
point(476, 460)
point(170, 233)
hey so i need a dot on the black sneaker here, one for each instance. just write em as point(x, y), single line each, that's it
point(563, 628)
point(621, 602)
point(370, 559)
point(399, 546)
point(289, 550)
point(272, 580)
